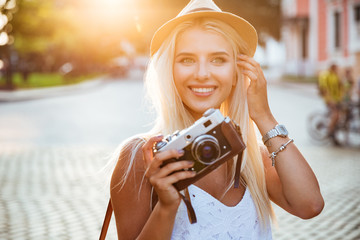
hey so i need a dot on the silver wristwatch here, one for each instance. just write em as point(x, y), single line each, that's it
point(278, 130)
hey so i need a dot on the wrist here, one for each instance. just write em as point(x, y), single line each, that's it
point(169, 208)
point(277, 131)
point(265, 123)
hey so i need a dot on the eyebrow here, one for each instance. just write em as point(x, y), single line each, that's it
point(211, 54)
point(220, 53)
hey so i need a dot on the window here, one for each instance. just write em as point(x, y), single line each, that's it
point(304, 37)
point(357, 19)
point(337, 30)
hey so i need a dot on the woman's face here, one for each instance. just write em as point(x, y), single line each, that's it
point(204, 70)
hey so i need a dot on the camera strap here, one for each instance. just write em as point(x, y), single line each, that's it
point(185, 198)
point(237, 171)
point(239, 158)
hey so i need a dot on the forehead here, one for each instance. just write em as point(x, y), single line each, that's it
point(199, 39)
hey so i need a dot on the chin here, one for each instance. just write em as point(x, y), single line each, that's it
point(198, 112)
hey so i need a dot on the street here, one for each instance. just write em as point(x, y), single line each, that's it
point(52, 151)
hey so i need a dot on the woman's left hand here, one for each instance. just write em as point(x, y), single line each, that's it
point(257, 91)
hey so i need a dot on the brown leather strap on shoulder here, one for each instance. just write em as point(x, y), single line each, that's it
point(106, 221)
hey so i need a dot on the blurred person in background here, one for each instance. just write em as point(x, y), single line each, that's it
point(202, 59)
point(349, 94)
point(332, 91)
point(349, 86)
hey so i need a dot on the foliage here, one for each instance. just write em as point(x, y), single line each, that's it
point(38, 80)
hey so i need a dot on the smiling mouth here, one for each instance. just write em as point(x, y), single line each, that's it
point(203, 90)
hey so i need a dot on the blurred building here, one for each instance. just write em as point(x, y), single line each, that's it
point(319, 32)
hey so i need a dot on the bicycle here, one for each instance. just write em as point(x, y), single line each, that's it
point(347, 130)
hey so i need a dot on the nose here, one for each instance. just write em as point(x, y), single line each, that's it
point(202, 72)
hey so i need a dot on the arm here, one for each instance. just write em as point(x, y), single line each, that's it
point(291, 183)
point(131, 202)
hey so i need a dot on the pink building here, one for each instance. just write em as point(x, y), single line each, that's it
point(317, 33)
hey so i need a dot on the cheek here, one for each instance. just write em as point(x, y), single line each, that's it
point(229, 76)
point(181, 74)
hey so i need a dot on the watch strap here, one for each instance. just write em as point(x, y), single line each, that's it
point(274, 133)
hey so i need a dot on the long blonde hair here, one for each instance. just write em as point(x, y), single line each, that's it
point(172, 114)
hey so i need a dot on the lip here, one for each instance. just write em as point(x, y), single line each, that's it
point(202, 91)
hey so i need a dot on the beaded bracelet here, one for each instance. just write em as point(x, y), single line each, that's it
point(282, 147)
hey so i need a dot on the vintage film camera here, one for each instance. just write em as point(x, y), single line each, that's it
point(209, 142)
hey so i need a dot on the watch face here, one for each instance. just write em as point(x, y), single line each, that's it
point(282, 130)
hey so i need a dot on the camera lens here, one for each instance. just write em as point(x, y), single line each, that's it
point(206, 149)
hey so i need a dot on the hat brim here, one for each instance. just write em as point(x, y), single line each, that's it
point(246, 31)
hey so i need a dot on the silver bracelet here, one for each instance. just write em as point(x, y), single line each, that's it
point(282, 147)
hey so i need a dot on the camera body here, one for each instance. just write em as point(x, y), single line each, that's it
point(209, 142)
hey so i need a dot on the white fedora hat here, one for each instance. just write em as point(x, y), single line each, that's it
point(206, 8)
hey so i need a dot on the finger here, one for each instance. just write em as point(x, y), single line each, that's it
point(164, 155)
point(170, 168)
point(251, 75)
point(164, 183)
point(159, 158)
point(249, 60)
point(246, 66)
point(250, 64)
point(147, 148)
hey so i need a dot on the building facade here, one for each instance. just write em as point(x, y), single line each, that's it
point(317, 33)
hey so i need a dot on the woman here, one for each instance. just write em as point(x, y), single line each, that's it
point(199, 60)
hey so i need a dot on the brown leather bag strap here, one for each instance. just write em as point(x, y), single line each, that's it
point(106, 221)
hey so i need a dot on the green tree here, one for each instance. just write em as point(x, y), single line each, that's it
point(7, 8)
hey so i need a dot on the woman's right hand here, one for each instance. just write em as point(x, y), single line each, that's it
point(163, 178)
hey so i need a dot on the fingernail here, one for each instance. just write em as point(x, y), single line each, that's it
point(190, 162)
point(181, 152)
point(160, 136)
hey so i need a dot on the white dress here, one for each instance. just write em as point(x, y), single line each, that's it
point(218, 221)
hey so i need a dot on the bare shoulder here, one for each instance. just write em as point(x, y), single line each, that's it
point(129, 190)
point(129, 159)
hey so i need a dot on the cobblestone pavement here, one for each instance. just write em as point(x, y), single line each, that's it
point(52, 193)
point(55, 193)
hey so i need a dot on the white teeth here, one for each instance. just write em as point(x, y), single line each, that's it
point(202, 90)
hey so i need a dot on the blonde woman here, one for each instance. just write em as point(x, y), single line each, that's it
point(199, 60)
